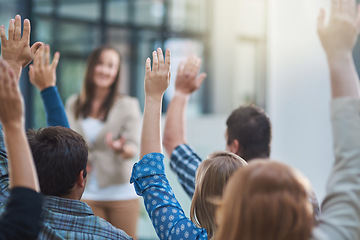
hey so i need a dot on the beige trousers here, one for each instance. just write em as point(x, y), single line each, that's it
point(121, 214)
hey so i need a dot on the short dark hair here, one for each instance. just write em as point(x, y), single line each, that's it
point(60, 154)
point(251, 127)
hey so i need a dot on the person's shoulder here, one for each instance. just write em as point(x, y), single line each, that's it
point(109, 230)
point(125, 101)
point(72, 100)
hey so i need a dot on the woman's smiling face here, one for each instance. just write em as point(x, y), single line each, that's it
point(106, 69)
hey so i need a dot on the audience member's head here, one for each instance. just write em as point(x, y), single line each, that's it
point(60, 156)
point(102, 71)
point(265, 200)
point(212, 176)
point(249, 133)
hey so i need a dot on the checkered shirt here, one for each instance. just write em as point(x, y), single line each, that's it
point(184, 162)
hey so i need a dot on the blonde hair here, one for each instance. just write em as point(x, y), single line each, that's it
point(266, 200)
point(211, 177)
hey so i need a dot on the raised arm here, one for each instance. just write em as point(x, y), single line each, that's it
point(340, 210)
point(157, 80)
point(338, 38)
point(148, 174)
point(187, 82)
point(42, 75)
point(16, 50)
point(22, 216)
point(21, 165)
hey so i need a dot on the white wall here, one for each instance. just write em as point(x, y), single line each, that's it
point(299, 90)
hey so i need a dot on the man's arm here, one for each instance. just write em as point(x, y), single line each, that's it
point(16, 50)
point(340, 213)
point(187, 82)
point(22, 216)
point(42, 75)
point(21, 165)
point(183, 161)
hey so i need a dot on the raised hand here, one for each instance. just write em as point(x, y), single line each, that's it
point(338, 38)
point(42, 74)
point(11, 102)
point(187, 78)
point(16, 50)
point(157, 79)
point(340, 34)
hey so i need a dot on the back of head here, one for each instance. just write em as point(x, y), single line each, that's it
point(212, 176)
point(60, 154)
point(250, 126)
point(265, 200)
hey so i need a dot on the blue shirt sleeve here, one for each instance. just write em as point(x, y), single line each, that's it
point(54, 108)
point(184, 162)
point(165, 212)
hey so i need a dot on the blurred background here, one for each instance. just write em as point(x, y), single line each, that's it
point(253, 51)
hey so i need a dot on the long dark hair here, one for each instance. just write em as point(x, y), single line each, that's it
point(84, 101)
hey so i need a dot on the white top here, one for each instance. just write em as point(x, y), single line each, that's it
point(121, 192)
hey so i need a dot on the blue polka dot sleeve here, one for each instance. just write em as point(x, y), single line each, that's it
point(165, 212)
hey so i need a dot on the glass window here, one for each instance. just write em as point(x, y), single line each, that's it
point(188, 15)
point(80, 9)
point(181, 49)
point(118, 11)
point(149, 12)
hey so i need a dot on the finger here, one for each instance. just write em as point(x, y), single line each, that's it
point(108, 138)
point(11, 29)
point(358, 17)
point(38, 59)
point(35, 47)
point(167, 59)
point(189, 64)
point(321, 21)
point(31, 72)
point(197, 65)
point(335, 8)
point(160, 57)
point(17, 27)
point(199, 80)
point(26, 31)
point(55, 60)
point(47, 55)
point(352, 8)
point(181, 67)
point(148, 65)
point(345, 6)
point(3, 35)
point(155, 66)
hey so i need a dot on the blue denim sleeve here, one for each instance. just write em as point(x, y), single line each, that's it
point(165, 212)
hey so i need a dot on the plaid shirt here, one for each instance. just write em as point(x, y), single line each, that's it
point(184, 162)
point(63, 218)
point(73, 219)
